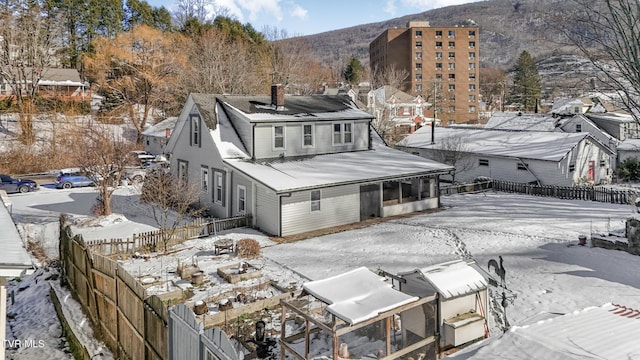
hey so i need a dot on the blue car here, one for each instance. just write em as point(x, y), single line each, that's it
point(70, 180)
point(12, 185)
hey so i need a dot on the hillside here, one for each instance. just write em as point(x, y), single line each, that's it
point(507, 27)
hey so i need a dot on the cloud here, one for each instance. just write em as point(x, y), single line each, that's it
point(433, 4)
point(298, 12)
point(255, 9)
point(390, 7)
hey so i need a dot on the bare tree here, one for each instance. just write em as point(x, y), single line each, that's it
point(453, 150)
point(172, 201)
point(607, 33)
point(27, 47)
point(103, 155)
point(389, 75)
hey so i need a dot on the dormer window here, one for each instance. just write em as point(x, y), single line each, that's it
point(342, 133)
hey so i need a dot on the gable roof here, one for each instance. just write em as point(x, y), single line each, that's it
point(606, 332)
point(521, 121)
point(357, 295)
point(537, 145)
point(159, 129)
point(454, 278)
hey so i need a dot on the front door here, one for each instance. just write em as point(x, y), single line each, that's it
point(369, 201)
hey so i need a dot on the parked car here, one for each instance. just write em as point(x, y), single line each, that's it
point(68, 180)
point(12, 185)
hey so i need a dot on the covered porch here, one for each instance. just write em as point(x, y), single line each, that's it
point(399, 196)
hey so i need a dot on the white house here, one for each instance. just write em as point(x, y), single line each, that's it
point(546, 158)
point(462, 300)
point(296, 164)
point(155, 137)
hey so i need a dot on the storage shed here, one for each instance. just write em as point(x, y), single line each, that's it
point(462, 300)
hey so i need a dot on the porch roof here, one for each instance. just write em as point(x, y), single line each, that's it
point(14, 259)
point(378, 164)
point(357, 295)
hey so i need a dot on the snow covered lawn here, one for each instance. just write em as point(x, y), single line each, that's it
point(536, 236)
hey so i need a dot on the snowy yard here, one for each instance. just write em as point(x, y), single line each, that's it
point(537, 237)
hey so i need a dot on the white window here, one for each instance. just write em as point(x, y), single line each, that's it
point(342, 133)
point(278, 137)
point(472, 109)
point(572, 167)
point(452, 66)
point(182, 170)
point(438, 55)
point(195, 130)
point(472, 44)
point(218, 194)
point(452, 33)
point(472, 55)
point(315, 200)
point(521, 166)
point(307, 135)
point(483, 162)
point(472, 66)
point(242, 199)
point(204, 179)
point(578, 127)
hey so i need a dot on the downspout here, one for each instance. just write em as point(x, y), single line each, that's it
point(253, 141)
point(280, 196)
point(229, 191)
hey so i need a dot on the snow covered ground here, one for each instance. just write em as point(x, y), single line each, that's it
point(536, 236)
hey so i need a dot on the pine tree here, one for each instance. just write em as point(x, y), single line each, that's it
point(354, 72)
point(526, 82)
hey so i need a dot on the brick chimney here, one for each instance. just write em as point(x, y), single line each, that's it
point(277, 96)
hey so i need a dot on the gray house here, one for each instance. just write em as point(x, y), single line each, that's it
point(545, 158)
point(297, 164)
point(155, 137)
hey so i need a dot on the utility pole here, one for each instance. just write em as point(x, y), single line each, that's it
point(435, 112)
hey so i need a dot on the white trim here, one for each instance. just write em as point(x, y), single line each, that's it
point(313, 135)
point(342, 133)
point(273, 137)
point(244, 199)
point(204, 179)
point(318, 202)
point(217, 186)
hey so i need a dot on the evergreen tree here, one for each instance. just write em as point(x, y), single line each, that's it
point(526, 82)
point(354, 72)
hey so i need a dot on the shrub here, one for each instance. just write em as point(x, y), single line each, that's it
point(248, 248)
point(629, 170)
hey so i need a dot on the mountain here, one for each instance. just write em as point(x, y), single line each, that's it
point(506, 28)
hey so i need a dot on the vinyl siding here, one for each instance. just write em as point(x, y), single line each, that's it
point(266, 211)
point(323, 139)
point(198, 156)
point(338, 206)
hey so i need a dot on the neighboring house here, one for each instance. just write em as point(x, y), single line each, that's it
point(155, 137)
point(296, 164)
point(606, 332)
point(545, 158)
point(619, 125)
point(14, 260)
point(55, 83)
point(518, 121)
point(571, 106)
point(396, 113)
point(629, 149)
point(463, 297)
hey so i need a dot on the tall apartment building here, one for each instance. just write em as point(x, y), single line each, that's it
point(442, 63)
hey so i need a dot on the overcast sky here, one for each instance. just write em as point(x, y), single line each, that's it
point(306, 17)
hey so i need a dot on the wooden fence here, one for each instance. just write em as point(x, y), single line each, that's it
point(595, 193)
point(153, 240)
point(132, 324)
point(465, 188)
